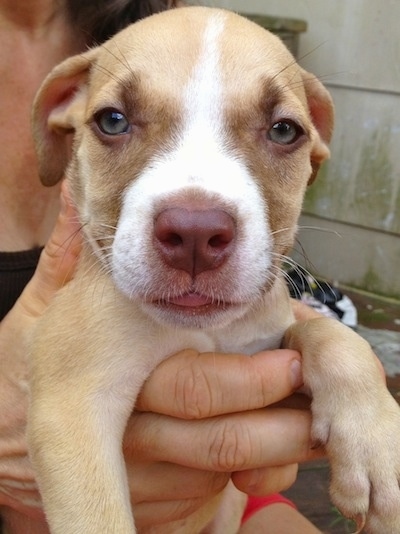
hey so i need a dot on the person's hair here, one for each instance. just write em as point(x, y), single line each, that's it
point(101, 19)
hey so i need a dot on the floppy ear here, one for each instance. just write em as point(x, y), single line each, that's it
point(57, 108)
point(321, 110)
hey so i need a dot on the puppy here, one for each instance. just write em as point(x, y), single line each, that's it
point(194, 136)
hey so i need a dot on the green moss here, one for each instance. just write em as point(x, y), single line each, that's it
point(368, 196)
point(371, 283)
point(376, 317)
point(373, 200)
point(278, 24)
point(347, 524)
point(370, 280)
point(318, 191)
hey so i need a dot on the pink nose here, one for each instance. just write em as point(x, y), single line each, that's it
point(194, 241)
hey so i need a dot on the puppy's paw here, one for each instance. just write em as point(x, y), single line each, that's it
point(363, 444)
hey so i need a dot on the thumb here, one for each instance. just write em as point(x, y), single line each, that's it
point(57, 261)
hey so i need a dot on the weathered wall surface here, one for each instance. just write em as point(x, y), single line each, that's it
point(354, 47)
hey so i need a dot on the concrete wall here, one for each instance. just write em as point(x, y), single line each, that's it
point(354, 47)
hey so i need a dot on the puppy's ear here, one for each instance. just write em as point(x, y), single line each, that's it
point(321, 110)
point(57, 110)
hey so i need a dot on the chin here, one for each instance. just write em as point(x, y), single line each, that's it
point(207, 316)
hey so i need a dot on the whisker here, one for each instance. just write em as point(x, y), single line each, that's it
point(309, 283)
point(68, 242)
point(110, 226)
point(310, 52)
point(290, 262)
point(321, 229)
point(112, 76)
point(122, 59)
point(280, 230)
point(302, 252)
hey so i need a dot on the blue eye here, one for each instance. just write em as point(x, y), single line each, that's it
point(112, 122)
point(284, 132)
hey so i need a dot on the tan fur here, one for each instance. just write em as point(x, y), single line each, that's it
point(96, 345)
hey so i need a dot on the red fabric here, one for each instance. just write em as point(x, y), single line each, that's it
point(254, 504)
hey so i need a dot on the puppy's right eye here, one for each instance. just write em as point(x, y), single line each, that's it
point(112, 122)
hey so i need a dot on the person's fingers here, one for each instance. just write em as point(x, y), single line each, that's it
point(190, 385)
point(191, 488)
point(163, 492)
point(242, 441)
point(265, 480)
point(156, 482)
point(57, 261)
point(158, 513)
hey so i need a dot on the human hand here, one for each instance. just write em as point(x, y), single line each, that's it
point(202, 417)
point(17, 486)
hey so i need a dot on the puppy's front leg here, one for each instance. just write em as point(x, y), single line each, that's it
point(75, 436)
point(357, 420)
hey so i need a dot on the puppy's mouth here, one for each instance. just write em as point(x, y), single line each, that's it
point(193, 303)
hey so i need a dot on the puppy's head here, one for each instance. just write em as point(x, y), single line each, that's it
point(194, 135)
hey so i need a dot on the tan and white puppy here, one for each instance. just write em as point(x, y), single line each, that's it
point(195, 135)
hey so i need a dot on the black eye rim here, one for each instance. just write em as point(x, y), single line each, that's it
point(123, 128)
point(290, 129)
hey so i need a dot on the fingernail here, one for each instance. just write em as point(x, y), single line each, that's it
point(296, 374)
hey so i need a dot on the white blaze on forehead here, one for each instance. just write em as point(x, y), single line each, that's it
point(203, 139)
point(203, 95)
point(201, 156)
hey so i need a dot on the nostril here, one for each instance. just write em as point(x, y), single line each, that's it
point(220, 240)
point(173, 239)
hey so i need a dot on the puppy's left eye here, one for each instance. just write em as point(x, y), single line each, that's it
point(285, 132)
point(112, 122)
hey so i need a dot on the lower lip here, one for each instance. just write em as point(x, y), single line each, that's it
point(192, 303)
point(190, 300)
